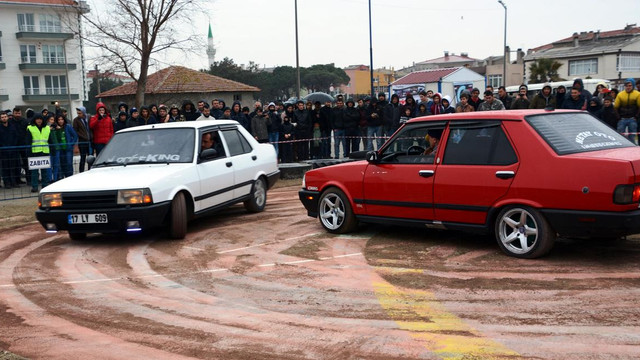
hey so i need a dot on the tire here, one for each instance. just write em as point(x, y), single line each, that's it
point(77, 236)
point(523, 232)
point(258, 197)
point(335, 213)
point(178, 220)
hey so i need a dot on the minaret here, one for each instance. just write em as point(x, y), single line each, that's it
point(211, 51)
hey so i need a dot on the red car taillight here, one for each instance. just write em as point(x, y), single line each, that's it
point(626, 194)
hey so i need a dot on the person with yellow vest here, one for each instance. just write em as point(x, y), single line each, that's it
point(40, 136)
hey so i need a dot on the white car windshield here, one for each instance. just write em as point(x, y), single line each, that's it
point(155, 146)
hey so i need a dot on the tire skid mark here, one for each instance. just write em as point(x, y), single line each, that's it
point(440, 331)
point(72, 340)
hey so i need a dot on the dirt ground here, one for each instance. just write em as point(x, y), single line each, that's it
point(275, 285)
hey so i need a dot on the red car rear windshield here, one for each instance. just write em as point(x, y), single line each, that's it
point(570, 133)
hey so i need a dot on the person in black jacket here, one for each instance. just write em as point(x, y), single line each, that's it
point(376, 115)
point(351, 121)
point(391, 118)
point(274, 127)
point(286, 146)
point(337, 125)
point(9, 160)
point(303, 127)
point(325, 130)
point(575, 101)
point(608, 113)
point(561, 93)
point(188, 110)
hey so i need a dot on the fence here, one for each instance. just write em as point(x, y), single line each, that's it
point(19, 182)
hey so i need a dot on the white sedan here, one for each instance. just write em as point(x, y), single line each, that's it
point(163, 174)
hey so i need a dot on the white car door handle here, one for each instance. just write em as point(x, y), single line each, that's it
point(229, 164)
point(426, 173)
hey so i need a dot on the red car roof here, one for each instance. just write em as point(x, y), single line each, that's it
point(513, 115)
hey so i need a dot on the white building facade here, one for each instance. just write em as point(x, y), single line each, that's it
point(41, 54)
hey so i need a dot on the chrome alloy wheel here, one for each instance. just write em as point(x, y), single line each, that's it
point(332, 211)
point(518, 231)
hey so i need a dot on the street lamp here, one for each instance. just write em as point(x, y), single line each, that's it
point(297, 57)
point(504, 48)
point(373, 94)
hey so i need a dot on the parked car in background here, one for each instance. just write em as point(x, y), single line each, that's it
point(525, 176)
point(163, 174)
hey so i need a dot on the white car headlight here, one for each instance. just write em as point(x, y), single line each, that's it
point(50, 200)
point(134, 197)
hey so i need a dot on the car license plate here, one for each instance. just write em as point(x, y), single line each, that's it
point(88, 219)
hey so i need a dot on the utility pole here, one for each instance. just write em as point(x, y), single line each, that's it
point(373, 94)
point(297, 56)
point(504, 48)
point(98, 81)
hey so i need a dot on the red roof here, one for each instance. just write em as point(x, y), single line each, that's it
point(584, 36)
point(425, 76)
point(37, 2)
point(180, 80)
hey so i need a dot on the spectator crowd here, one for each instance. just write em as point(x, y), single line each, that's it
point(298, 131)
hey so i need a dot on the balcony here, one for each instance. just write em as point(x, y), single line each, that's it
point(49, 63)
point(49, 94)
point(3, 95)
point(31, 32)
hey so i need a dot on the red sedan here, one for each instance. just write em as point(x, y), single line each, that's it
point(525, 176)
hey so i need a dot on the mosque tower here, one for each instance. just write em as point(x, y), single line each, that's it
point(211, 51)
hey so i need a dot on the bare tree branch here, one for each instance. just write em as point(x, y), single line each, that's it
point(142, 29)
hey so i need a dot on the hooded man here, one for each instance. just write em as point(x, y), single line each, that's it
point(544, 99)
point(627, 105)
point(521, 101)
point(81, 126)
point(575, 101)
point(561, 94)
point(174, 114)
point(577, 83)
point(446, 104)
point(239, 116)
point(608, 113)
point(375, 122)
point(121, 122)
point(134, 117)
point(188, 110)
point(303, 127)
point(21, 124)
point(351, 122)
point(101, 126)
point(9, 160)
point(40, 137)
point(391, 115)
point(274, 127)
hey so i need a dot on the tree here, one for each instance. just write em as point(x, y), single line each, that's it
point(136, 30)
point(544, 70)
point(321, 77)
point(105, 84)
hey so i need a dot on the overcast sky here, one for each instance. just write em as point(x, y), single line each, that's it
point(404, 31)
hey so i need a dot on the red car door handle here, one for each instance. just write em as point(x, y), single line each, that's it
point(426, 173)
point(505, 174)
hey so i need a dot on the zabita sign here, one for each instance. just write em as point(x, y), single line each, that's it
point(41, 162)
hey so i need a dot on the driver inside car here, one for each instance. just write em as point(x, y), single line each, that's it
point(212, 141)
point(433, 137)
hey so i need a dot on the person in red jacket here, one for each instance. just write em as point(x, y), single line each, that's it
point(102, 127)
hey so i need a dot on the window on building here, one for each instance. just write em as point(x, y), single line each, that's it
point(237, 97)
point(49, 23)
point(55, 84)
point(31, 85)
point(26, 22)
point(28, 54)
point(0, 51)
point(583, 67)
point(52, 54)
point(628, 62)
point(494, 80)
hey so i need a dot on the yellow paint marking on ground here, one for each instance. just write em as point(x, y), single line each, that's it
point(442, 332)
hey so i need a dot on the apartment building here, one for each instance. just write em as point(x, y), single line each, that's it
point(41, 54)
